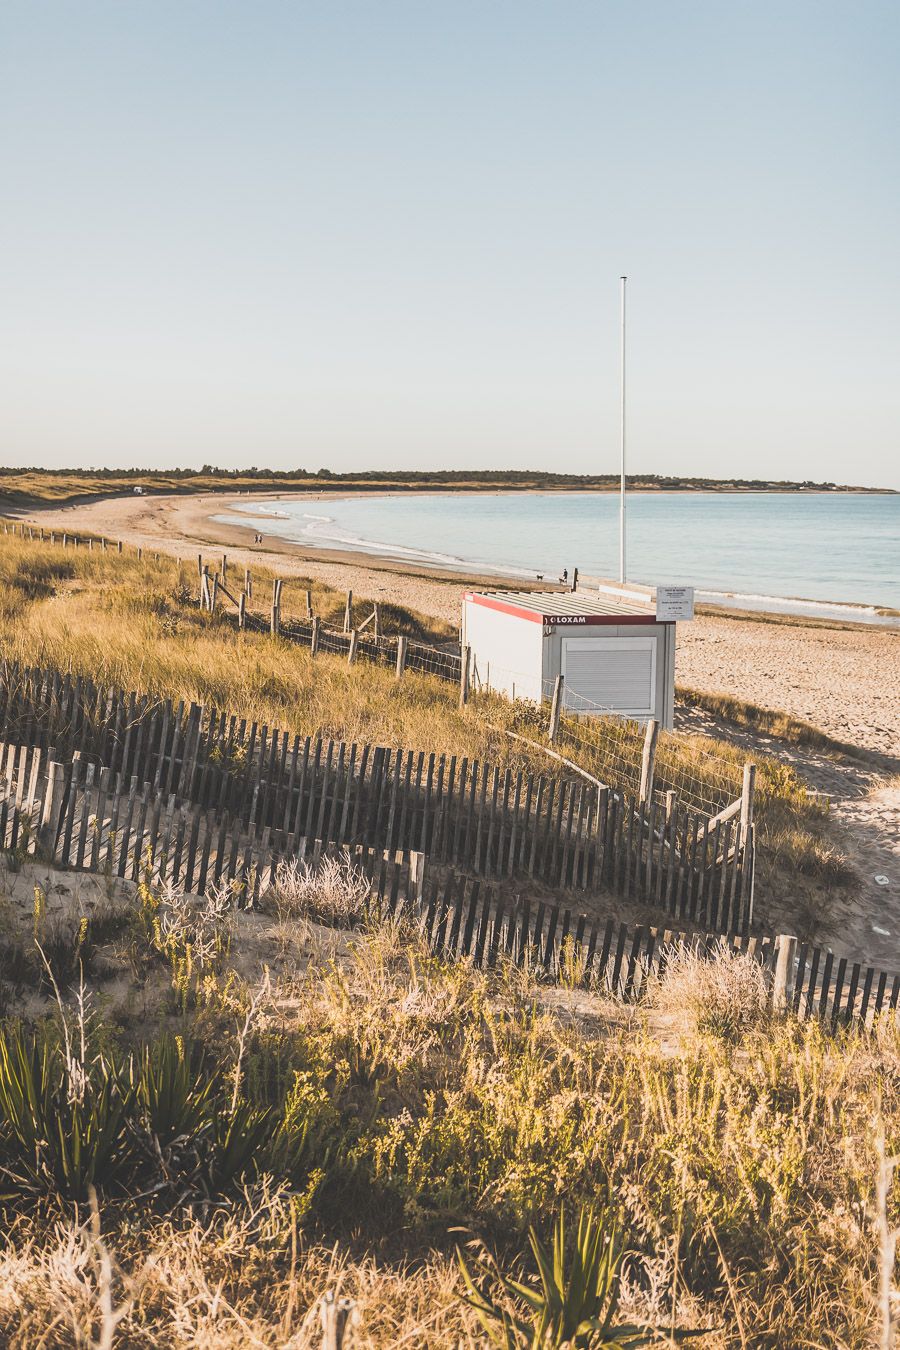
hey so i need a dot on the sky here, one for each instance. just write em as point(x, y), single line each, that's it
point(389, 234)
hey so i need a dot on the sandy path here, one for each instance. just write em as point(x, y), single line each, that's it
point(864, 806)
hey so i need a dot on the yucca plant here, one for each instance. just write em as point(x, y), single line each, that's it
point(238, 1133)
point(577, 1299)
point(63, 1125)
point(174, 1093)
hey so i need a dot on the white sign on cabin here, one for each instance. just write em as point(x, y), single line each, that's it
point(674, 603)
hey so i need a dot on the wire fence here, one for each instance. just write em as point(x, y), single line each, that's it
point(612, 746)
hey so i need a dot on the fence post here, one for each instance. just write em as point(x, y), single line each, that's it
point(314, 639)
point(214, 594)
point(224, 568)
point(574, 578)
point(556, 709)
point(354, 643)
point(377, 613)
point(308, 604)
point(464, 676)
point(348, 611)
point(52, 808)
point(671, 798)
point(648, 759)
point(119, 545)
point(747, 793)
point(242, 611)
point(275, 621)
point(337, 1314)
point(402, 644)
point(417, 874)
point(782, 988)
point(248, 582)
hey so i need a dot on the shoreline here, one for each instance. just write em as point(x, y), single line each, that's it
point(709, 599)
point(841, 677)
point(185, 519)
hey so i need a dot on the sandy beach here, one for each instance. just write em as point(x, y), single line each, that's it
point(845, 680)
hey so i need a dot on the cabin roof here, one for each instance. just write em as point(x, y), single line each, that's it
point(566, 606)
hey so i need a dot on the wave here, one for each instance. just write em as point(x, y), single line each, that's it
point(843, 605)
point(378, 547)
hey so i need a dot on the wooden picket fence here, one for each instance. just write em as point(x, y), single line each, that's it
point(567, 832)
point(131, 832)
point(466, 918)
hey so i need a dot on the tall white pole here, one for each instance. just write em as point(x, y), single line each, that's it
point(622, 480)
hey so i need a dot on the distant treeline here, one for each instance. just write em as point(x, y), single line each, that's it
point(403, 477)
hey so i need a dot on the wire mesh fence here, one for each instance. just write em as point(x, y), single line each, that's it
point(704, 775)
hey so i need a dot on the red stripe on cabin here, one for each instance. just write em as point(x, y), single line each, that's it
point(504, 607)
point(560, 620)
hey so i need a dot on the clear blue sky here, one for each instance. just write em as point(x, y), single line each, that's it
point(390, 234)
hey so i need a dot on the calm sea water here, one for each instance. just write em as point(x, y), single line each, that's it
point(756, 546)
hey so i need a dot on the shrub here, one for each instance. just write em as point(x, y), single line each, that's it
point(723, 994)
point(334, 891)
point(62, 1120)
point(575, 1305)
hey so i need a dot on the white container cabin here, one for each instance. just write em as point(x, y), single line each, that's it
point(613, 652)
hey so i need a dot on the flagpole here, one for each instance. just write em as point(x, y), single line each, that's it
point(622, 480)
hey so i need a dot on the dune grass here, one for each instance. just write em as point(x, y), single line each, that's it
point(771, 722)
point(133, 623)
point(412, 1105)
point(404, 1105)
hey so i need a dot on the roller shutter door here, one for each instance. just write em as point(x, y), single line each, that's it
point(614, 673)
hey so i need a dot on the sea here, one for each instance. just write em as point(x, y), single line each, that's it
point(831, 554)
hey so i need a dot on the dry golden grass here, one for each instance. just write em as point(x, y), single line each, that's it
point(128, 622)
point(431, 1104)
